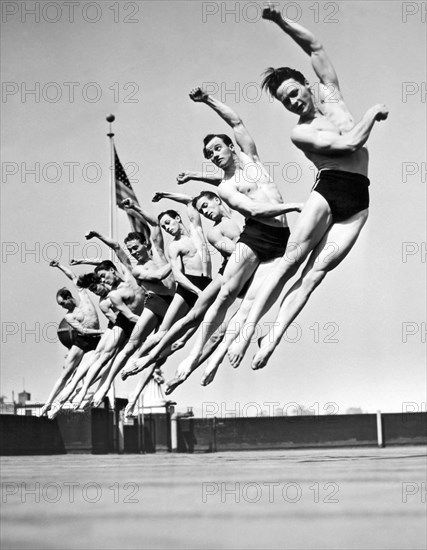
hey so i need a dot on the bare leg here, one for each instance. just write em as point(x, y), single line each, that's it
point(75, 355)
point(241, 265)
point(212, 344)
point(235, 324)
point(85, 364)
point(142, 382)
point(183, 329)
point(71, 384)
point(115, 342)
point(145, 324)
point(177, 310)
point(329, 253)
point(312, 224)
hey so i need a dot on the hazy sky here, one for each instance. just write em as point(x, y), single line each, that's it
point(64, 72)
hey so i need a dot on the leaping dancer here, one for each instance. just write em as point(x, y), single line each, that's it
point(247, 188)
point(83, 318)
point(337, 207)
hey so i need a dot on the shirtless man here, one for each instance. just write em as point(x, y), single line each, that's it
point(126, 300)
point(189, 258)
point(83, 318)
point(153, 273)
point(247, 188)
point(100, 359)
point(223, 237)
point(337, 208)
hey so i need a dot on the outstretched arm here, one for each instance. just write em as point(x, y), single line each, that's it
point(85, 261)
point(114, 245)
point(119, 305)
point(81, 329)
point(310, 140)
point(308, 42)
point(257, 209)
point(243, 138)
point(183, 177)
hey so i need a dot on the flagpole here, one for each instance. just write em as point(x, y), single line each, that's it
point(110, 119)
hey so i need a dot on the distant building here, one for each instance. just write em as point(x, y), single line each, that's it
point(23, 397)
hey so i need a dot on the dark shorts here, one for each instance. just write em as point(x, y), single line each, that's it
point(86, 342)
point(124, 323)
point(189, 297)
point(347, 193)
point(266, 241)
point(158, 304)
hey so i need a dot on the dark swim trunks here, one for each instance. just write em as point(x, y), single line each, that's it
point(124, 323)
point(266, 241)
point(347, 193)
point(189, 297)
point(158, 304)
point(86, 342)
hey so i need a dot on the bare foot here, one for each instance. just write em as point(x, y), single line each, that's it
point(134, 367)
point(98, 397)
point(237, 351)
point(129, 410)
point(209, 374)
point(45, 408)
point(172, 384)
point(182, 373)
point(262, 356)
point(54, 410)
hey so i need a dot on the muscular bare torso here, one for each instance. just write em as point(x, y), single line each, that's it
point(190, 253)
point(252, 179)
point(333, 115)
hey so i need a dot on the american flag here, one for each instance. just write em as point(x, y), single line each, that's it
point(123, 187)
point(124, 191)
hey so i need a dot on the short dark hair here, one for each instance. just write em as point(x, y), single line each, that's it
point(210, 137)
point(273, 78)
point(207, 194)
point(88, 279)
point(170, 213)
point(135, 236)
point(64, 293)
point(105, 265)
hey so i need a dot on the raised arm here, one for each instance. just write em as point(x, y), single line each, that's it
point(257, 209)
point(308, 42)
point(156, 234)
point(243, 138)
point(114, 245)
point(192, 213)
point(311, 140)
point(183, 177)
point(72, 276)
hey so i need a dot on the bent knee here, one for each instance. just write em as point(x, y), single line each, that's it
point(228, 292)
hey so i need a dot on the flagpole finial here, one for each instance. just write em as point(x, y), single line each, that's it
point(110, 119)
